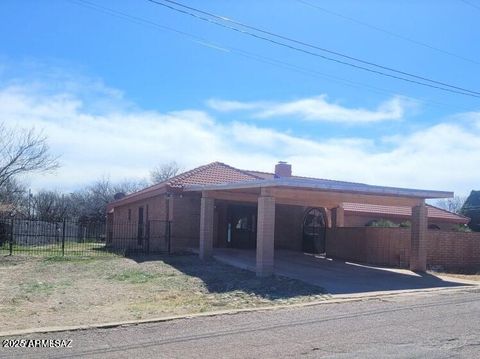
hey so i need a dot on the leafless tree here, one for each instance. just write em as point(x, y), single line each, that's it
point(91, 202)
point(52, 206)
point(451, 204)
point(14, 195)
point(164, 171)
point(23, 151)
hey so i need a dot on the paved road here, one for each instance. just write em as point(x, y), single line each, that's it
point(438, 325)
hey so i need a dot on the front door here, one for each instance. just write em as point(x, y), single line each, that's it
point(242, 226)
point(314, 231)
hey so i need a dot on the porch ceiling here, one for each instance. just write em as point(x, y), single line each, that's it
point(312, 192)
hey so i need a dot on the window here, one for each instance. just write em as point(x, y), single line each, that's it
point(129, 214)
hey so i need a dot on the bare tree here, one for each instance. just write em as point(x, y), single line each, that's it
point(23, 151)
point(164, 172)
point(451, 204)
point(14, 194)
point(52, 206)
point(91, 202)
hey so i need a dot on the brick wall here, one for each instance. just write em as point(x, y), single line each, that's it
point(125, 228)
point(289, 227)
point(391, 247)
point(380, 246)
point(453, 250)
point(185, 222)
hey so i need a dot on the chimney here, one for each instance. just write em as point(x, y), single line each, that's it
point(119, 195)
point(283, 169)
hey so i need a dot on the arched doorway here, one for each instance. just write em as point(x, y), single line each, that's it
point(314, 224)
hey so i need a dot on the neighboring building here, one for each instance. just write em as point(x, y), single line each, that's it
point(358, 214)
point(217, 205)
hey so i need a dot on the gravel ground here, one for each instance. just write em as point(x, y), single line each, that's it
point(54, 291)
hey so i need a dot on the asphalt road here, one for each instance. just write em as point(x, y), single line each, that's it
point(441, 325)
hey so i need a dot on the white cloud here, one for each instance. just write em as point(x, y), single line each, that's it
point(129, 142)
point(319, 109)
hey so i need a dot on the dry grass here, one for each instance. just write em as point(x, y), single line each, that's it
point(53, 291)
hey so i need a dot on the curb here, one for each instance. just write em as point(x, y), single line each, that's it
point(335, 300)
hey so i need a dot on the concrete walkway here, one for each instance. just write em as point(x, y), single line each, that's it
point(338, 277)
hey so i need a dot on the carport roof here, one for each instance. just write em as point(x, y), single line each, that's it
point(324, 185)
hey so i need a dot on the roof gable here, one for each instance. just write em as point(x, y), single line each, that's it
point(212, 173)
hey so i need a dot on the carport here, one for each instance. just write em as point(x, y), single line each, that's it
point(315, 193)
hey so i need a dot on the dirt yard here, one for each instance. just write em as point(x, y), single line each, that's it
point(54, 291)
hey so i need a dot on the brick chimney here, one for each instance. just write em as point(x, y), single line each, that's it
point(283, 169)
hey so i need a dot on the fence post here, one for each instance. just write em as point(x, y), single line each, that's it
point(63, 238)
point(10, 244)
point(168, 238)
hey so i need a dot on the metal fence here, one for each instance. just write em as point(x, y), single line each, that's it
point(80, 238)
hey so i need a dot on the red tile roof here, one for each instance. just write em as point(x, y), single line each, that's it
point(433, 212)
point(220, 173)
point(212, 173)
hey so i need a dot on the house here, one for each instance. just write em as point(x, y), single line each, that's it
point(217, 205)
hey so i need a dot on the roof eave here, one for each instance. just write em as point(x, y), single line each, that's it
point(320, 185)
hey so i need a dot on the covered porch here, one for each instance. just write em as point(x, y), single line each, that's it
point(266, 196)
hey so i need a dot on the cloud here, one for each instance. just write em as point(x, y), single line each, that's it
point(126, 142)
point(319, 109)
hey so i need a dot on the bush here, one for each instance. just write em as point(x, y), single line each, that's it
point(384, 223)
point(462, 228)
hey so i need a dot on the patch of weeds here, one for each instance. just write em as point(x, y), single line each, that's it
point(133, 276)
point(38, 288)
point(56, 259)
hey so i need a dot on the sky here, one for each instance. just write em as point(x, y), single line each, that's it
point(119, 87)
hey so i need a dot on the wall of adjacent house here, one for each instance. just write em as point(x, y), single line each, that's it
point(360, 220)
point(391, 247)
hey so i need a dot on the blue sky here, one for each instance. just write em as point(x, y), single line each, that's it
point(117, 96)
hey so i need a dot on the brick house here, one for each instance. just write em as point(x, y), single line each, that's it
point(217, 205)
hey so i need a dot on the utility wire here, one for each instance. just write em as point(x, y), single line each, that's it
point(259, 58)
point(471, 4)
point(165, 3)
point(388, 32)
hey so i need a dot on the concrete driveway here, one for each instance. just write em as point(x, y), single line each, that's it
point(339, 277)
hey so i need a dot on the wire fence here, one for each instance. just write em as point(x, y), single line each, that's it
point(80, 238)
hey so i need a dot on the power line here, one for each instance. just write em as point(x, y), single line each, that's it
point(259, 58)
point(458, 90)
point(471, 4)
point(391, 33)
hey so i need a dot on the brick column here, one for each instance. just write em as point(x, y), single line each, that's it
point(207, 206)
point(418, 251)
point(265, 235)
point(338, 217)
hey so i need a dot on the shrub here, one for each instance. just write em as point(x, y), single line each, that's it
point(462, 228)
point(384, 223)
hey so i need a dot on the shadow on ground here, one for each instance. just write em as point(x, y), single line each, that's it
point(223, 278)
point(336, 276)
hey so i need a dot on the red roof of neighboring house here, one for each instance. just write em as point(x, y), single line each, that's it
point(406, 212)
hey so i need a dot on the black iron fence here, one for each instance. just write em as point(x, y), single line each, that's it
point(80, 238)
